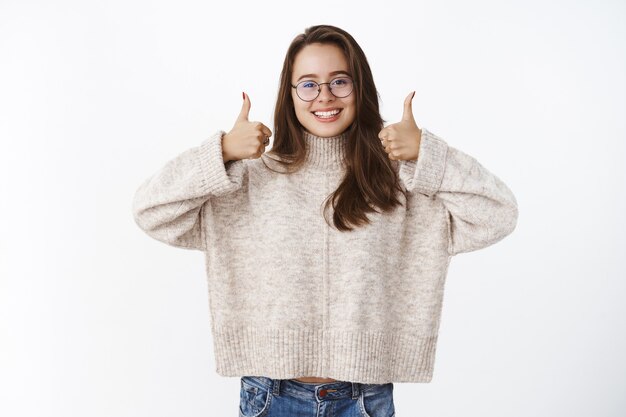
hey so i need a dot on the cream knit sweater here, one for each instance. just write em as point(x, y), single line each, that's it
point(290, 296)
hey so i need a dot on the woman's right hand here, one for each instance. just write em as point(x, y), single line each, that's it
point(245, 139)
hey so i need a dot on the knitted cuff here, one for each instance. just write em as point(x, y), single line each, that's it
point(424, 175)
point(216, 177)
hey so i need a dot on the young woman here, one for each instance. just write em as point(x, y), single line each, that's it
point(326, 256)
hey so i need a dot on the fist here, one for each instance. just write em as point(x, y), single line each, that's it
point(246, 139)
point(402, 140)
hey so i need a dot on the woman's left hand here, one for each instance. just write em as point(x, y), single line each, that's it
point(402, 140)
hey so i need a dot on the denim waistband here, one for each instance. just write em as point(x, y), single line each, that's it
point(312, 391)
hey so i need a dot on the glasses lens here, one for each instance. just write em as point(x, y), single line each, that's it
point(341, 87)
point(307, 90)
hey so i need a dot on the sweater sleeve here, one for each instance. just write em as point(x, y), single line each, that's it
point(168, 206)
point(482, 210)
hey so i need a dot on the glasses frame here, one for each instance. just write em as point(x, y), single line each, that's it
point(319, 87)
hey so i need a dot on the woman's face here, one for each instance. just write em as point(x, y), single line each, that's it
point(325, 62)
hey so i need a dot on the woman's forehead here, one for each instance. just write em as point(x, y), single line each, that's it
point(320, 60)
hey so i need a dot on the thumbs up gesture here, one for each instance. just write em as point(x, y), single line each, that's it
point(246, 139)
point(402, 140)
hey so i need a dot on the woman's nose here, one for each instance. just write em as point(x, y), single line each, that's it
point(325, 92)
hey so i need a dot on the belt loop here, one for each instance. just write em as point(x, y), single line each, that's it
point(355, 390)
point(276, 387)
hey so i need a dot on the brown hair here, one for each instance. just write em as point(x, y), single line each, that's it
point(370, 176)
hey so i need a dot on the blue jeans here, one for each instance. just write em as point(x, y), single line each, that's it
point(261, 396)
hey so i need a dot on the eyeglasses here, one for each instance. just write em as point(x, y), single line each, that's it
point(309, 90)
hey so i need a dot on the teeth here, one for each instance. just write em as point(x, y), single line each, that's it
point(326, 113)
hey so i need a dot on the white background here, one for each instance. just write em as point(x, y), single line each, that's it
point(97, 319)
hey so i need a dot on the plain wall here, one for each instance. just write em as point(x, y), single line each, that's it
point(97, 319)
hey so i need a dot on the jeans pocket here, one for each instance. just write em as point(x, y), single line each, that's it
point(378, 401)
point(254, 400)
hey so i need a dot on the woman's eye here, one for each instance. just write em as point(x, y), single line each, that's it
point(308, 85)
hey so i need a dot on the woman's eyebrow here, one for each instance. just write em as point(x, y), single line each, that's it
point(330, 73)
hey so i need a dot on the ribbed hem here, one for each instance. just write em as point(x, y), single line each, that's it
point(372, 357)
point(215, 179)
point(425, 174)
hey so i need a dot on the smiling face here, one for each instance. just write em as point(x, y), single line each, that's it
point(325, 62)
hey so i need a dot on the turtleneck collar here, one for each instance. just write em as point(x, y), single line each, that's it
point(325, 153)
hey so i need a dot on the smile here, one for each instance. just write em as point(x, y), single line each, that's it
point(327, 116)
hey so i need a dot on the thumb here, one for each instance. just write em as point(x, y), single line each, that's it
point(408, 107)
point(245, 109)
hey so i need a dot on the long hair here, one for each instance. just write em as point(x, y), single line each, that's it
point(370, 180)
